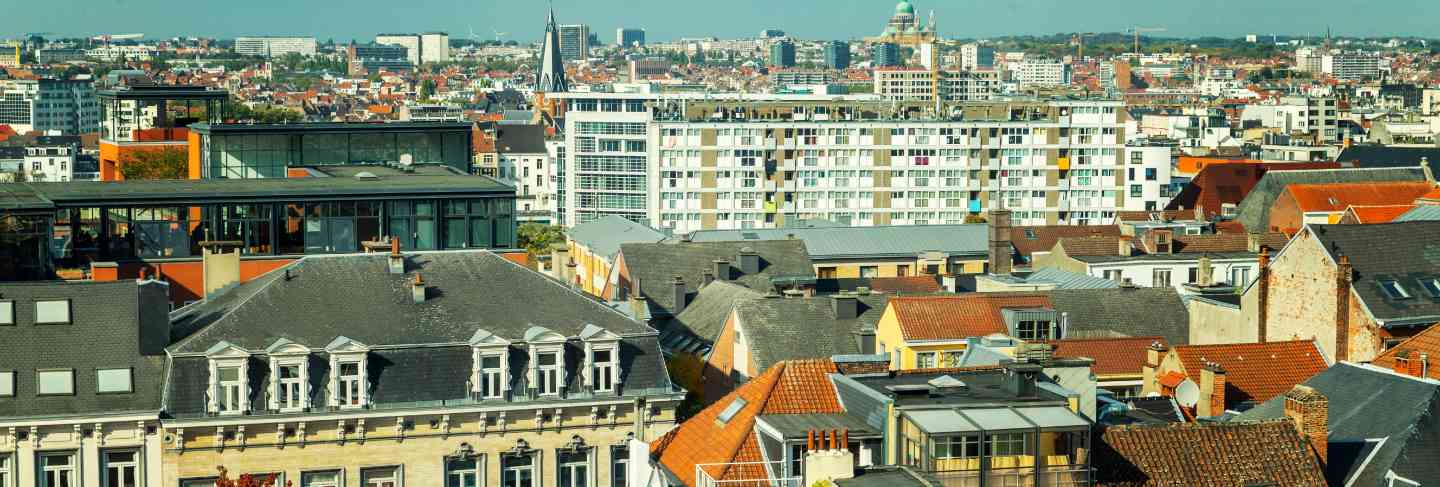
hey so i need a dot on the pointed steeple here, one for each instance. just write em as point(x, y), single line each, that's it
point(551, 78)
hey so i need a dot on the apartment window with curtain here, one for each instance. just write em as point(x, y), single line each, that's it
point(122, 469)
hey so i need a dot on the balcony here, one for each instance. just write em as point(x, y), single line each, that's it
point(1057, 476)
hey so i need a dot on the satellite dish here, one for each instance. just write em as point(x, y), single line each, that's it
point(1187, 393)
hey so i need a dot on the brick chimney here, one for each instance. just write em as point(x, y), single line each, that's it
point(1001, 256)
point(1343, 273)
point(1310, 411)
point(678, 284)
point(396, 261)
point(1160, 242)
point(1262, 295)
point(1153, 356)
point(749, 261)
point(1212, 391)
point(1124, 247)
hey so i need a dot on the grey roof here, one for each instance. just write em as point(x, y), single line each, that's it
point(422, 354)
point(839, 242)
point(781, 329)
point(1366, 155)
point(1254, 210)
point(117, 324)
point(1403, 252)
point(603, 236)
point(796, 426)
point(695, 329)
point(1368, 403)
point(1124, 311)
point(891, 476)
point(520, 139)
point(656, 264)
point(1063, 279)
point(330, 127)
point(1419, 213)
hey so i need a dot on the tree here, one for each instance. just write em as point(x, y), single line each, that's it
point(246, 480)
point(538, 238)
point(165, 163)
point(427, 89)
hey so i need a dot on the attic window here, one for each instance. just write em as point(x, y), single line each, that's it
point(53, 312)
point(1432, 286)
point(1393, 289)
point(730, 411)
point(1030, 234)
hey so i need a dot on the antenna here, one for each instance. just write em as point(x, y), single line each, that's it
point(1187, 393)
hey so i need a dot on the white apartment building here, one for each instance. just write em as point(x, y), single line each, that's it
point(1309, 59)
point(52, 164)
point(1351, 65)
point(411, 43)
point(974, 57)
point(1314, 116)
point(275, 46)
point(756, 163)
point(1042, 72)
point(69, 107)
point(915, 84)
point(115, 52)
point(434, 47)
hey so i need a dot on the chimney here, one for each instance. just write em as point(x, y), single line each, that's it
point(1124, 248)
point(220, 268)
point(749, 261)
point(722, 270)
point(559, 261)
point(1160, 242)
point(1414, 363)
point(397, 261)
point(1343, 273)
point(828, 458)
point(1262, 296)
point(844, 306)
point(678, 283)
point(1205, 272)
point(1153, 355)
point(707, 277)
point(1310, 411)
point(417, 289)
point(1001, 255)
point(1212, 391)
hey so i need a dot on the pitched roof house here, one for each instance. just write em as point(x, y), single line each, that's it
point(669, 273)
point(1161, 258)
point(1254, 210)
point(1219, 188)
point(1218, 378)
point(592, 247)
point(1300, 204)
point(1206, 455)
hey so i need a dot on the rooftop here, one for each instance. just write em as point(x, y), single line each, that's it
point(842, 242)
point(1255, 372)
point(1206, 455)
point(1389, 252)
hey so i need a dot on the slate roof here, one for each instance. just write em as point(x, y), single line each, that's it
point(1206, 455)
point(520, 139)
point(1125, 312)
point(118, 324)
point(905, 285)
point(603, 236)
point(656, 264)
point(1112, 356)
point(1404, 252)
point(696, 329)
point(1337, 196)
point(1029, 240)
point(1255, 372)
point(780, 329)
point(1254, 210)
point(1366, 155)
point(1217, 184)
point(1366, 404)
point(960, 316)
point(845, 242)
point(1084, 248)
point(800, 387)
point(1420, 213)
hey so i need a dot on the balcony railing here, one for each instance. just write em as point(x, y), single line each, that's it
point(744, 474)
point(1059, 476)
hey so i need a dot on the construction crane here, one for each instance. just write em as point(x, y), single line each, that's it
point(1137, 30)
point(117, 37)
point(498, 34)
point(1079, 41)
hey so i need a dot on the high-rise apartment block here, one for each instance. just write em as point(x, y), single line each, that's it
point(369, 58)
point(1042, 72)
point(884, 54)
point(837, 55)
point(410, 42)
point(627, 37)
point(275, 46)
point(690, 162)
point(919, 84)
point(430, 47)
point(575, 41)
point(782, 53)
point(975, 56)
point(10, 55)
point(1309, 59)
point(67, 106)
point(1351, 66)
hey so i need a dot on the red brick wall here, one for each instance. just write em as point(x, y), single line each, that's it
point(1285, 215)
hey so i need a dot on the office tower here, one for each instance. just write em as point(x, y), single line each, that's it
point(884, 54)
point(628, 37)
point(772, 34)
point(575, 41)
point(368, 58)
point(837, 55)
point(67, 106)
point(275, 46)
point(975, 56)
point(1042, 72)
point(434, 47)
point(410, 42)
point(782, 54)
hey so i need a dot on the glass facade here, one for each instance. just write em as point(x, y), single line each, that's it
point(267, 155)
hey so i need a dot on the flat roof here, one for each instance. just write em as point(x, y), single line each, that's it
point(796, 426)
point(23, 196)
point(165, 93)
point(206, 128)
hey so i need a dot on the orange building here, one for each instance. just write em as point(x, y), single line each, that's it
point(138, 119)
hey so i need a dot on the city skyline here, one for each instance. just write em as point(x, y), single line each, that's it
point(847, 19)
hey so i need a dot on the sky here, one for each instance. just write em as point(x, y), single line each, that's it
point(523, 20)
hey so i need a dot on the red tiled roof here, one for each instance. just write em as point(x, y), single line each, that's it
point(1206, 455)
point(959, 317)
point(793, 387)
point(1378, 214)
point(908, 284)
point(1338, 196)
point(1255, 371)
point(1102, 245)
point(1028, 240)
point(1218, 184)
point(1225, 242)
point(1113, 356)
point(1426, 342)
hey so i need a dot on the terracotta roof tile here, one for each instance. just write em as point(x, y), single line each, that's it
point(794, 387)
point(1206, 455)
point(1113, 356)
point(909, 284)
point(959, 317)
point(1218, 184)
point(1028, 240)
point(1338, 196)
point(1100, 245)
point(1225, 242)
point(1426, 342)
point(1378, 213)
point(1255, 371)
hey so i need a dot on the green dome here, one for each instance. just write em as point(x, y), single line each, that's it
point(904, 7)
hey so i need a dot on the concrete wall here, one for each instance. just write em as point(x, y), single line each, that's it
point(1213, 322)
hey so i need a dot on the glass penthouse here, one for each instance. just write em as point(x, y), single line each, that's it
point(249, 151)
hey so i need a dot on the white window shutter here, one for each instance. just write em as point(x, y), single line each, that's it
point(476, 359)
point(213, 405)
point(615, 365)
point(334, 380)
point(530, 370)
point(586, 365)
point(560, 361)
point(274, 402)
point(505, 370)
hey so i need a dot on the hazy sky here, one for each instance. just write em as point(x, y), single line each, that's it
point(668, 19)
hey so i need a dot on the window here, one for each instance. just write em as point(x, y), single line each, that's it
point(574, 468)
point(954, 357)
point(5, 470)
point(1161, 278)
point(350, 384)
point(1194, 275)
point(113, 380)
point(380, 477)
point(231, 385)
point(1006, 444)
point(7, 314)
point(547, 373)
point(603, 371)
point(902, 270)
point(1034, 330)
point(320, 479)
point(7, 385)
point(619, 465)
point(55, 312)
point(122, 469)
point(290, 393)
point(198, 482)
point(1432, 286)
point(58, 470)
point(517, 470)
point(869, 271)
point(925, 360)
point(1114, 275)
point(462, 472)
point(55, 382)
point(1239, 276)
point(1393, 289)
point(956, 447)
point(491, 376)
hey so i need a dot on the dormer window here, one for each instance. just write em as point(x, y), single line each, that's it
point(349, 377)
point(351, 390)
point(1431, 285)
point(231, 390)
point(603, 370)
point(548, 365)
point(229, 371)
point(602, 358)
point(490, 374)
point(1393, 289)
point(547, 360)
point(289, 376)
point(290, 387)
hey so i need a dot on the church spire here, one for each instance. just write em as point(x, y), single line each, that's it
point(551, 78)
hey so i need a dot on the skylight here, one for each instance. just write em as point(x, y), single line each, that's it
point(1431, 285)
point(1393, 289)
point(730, 410)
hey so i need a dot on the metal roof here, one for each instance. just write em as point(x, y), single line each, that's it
point(208, 128)
point(828, 243)
point(793, 426)
point(21, 196)
point(1420, 213)
point(941, 421)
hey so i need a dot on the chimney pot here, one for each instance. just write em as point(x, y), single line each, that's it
point(417, 289)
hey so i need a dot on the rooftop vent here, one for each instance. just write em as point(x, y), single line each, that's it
point(366, 175)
